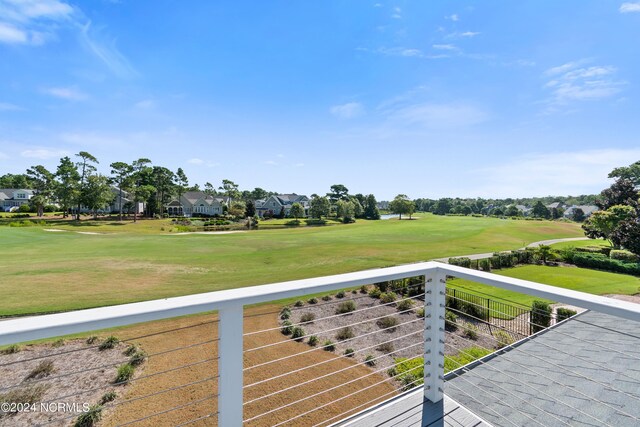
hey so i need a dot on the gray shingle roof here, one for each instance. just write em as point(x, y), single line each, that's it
point(567, 372)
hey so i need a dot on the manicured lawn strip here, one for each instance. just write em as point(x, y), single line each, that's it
point(581, 244)
point(53, 271)
point(578, 279)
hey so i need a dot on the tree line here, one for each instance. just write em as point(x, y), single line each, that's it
point(76, 184)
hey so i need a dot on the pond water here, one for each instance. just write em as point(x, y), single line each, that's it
point(388, 216)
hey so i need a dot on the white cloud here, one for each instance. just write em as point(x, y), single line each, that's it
point(572, 82)
point(5, 106)
point(43, 154)
point(377, 5)
point(560, 173)
point(280, 156)
point(196, 161)
point(400, 51)
point(444, 47)
point(271, 163)
point(630, 7)
point(465, 34)
point(440, 115)
point(298, 165)
point(31, 21)
point(12, 35)
point(348, 110)
point(453, 17)
point(105, 49)
point(397, 13)
point(145, 104)
point(68, 93)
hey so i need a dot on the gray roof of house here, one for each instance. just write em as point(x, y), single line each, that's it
point(289, 199)
point(7, 193)
point(582, 372)
point(587, 209)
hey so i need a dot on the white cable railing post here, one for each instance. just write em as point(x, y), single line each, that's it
point(230, 366)
point(434, 310)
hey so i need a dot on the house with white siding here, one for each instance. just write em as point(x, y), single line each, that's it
point(274, 204)
point(196, 203)
point(12, 198)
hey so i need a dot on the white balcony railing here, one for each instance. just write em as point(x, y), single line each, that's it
point(230, 307)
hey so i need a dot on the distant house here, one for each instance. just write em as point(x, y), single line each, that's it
point(274, 204)
point(522, 208)
point(587, 209)
point(12, 198)
point(556, 205)
point(196, 203)
point(383, 205)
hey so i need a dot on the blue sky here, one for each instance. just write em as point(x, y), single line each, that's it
point(431, 99)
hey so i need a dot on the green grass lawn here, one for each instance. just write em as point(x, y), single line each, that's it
point(579, 279)
point(52, 271)
point(580, 244)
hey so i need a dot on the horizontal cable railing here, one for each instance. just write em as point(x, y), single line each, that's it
point(344, 346)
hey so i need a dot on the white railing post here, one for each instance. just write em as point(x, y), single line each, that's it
point(434, 310)
point(230, 366)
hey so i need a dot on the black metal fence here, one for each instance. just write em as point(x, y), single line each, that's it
point(508, 316)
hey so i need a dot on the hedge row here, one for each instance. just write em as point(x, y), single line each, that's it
point(601, 262)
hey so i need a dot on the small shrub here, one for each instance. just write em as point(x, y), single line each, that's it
point(346, 307)
point(375, 293)
point(298, 303)
point(622, 255)
point(109, 343)
point(503, 339)
point(388, 322)
point(58, 343)
point(109, 396)
point(313, 300)
point(92, 339)
point(363, 289)
point(484, 264)
point(404, 305)
point(326, 298)
point(14, 348)
point(328, 345)
point(354, 291)
point(285, 313)
point(286, 328)
point(564, 313)
point(540, 315)
point(44, 369)
point(124, 374)
point(349, 352)
point(387, 297)
point(340, 294)
point(307, 317)
point(138, 357)
point(130, 350)
point(345, 334)
point(450, 321)
point(297, 334)
point(386, 347)
point(470, 331)
point(89, 418)
point(420, 312)
point(370, 360)
point(313, 340)
point(29, 394)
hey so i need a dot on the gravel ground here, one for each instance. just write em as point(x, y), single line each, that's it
point(77, 369)
point(406, 338)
